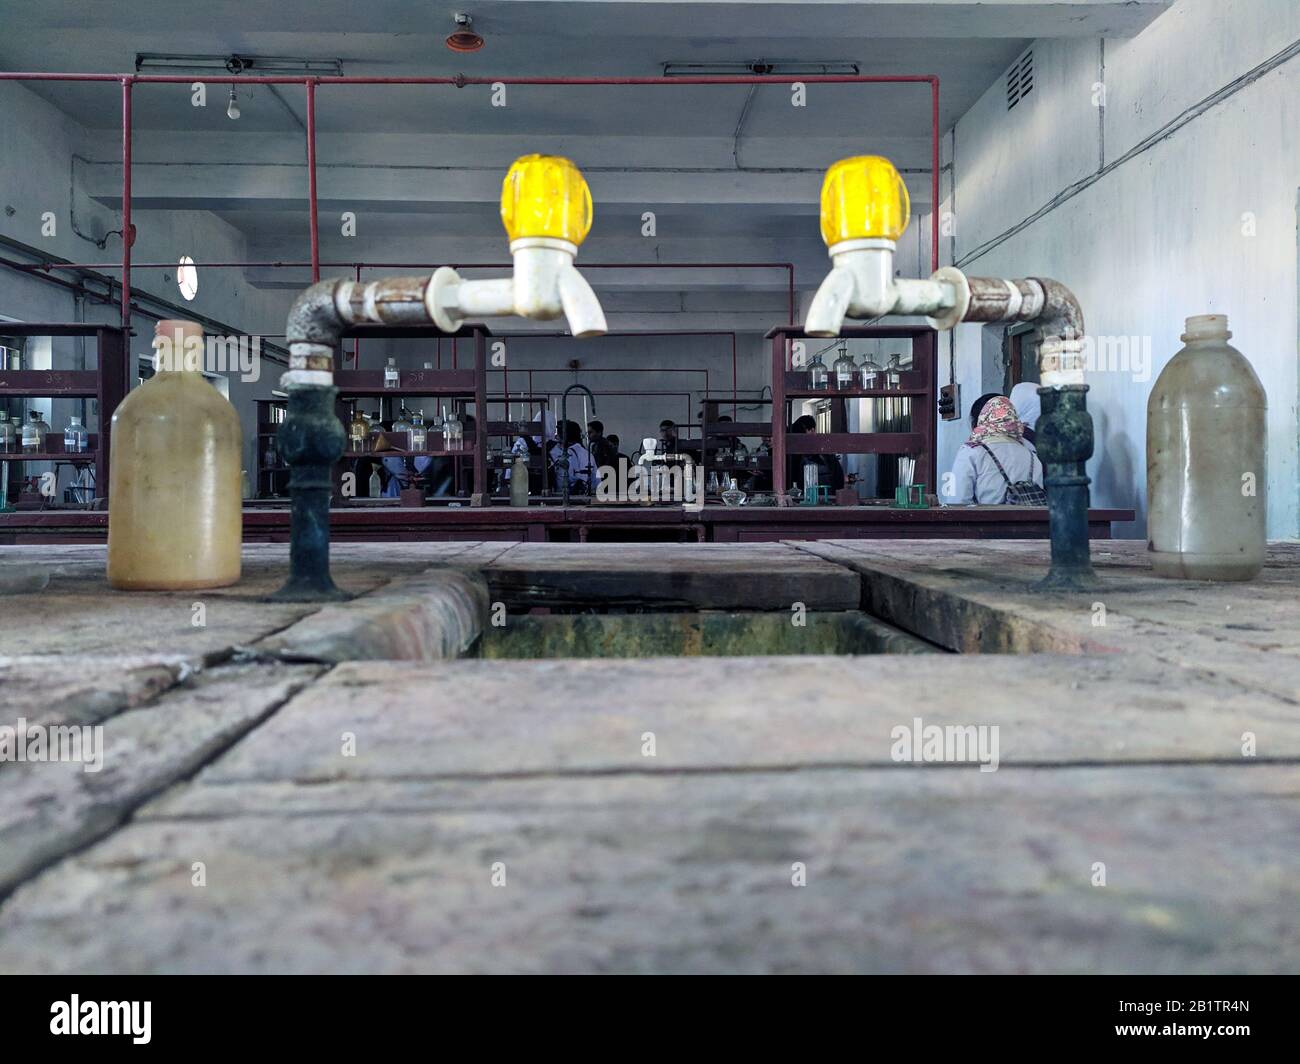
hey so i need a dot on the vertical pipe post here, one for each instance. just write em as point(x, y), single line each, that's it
point(934, 174)
point(311, 180)
point(126, 208)
point(356, 340)
point(1065, 443)
point(480, 419)
point(778, 413)
point(735, 410)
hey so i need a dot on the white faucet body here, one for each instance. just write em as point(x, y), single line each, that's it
point(862, 284)
point(545, 285)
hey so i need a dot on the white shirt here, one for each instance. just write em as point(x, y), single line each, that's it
point(975, 479)
point(581, 464)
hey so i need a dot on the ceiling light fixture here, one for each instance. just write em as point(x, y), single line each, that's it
point(238, 64)
point(232, 109)
point(773, 68)
point(464, 39)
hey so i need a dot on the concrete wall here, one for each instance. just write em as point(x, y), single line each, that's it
point(1203, 221)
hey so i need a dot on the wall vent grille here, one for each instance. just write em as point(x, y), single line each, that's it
point(1020, 79)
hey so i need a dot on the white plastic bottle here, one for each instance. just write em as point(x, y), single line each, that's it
point(1207, 471)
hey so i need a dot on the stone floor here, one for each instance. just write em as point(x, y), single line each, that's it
point(286, 789)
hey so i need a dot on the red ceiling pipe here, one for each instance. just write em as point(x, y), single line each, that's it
point(313, 220)
point(934, 176)
point(460, 79)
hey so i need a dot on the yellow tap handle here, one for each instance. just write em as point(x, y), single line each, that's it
point(863, 198)
point(545, 196)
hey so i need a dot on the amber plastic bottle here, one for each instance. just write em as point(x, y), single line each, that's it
point(174, 500)
point(1206, 460)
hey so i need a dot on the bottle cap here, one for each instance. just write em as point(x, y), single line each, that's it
point(1206, 327)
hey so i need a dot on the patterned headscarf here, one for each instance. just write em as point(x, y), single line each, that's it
point(998, 418)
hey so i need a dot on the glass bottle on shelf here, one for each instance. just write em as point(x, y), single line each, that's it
point(453, 431)
point(846, 370)
point(436, 428)
point(733, 496)
point(519, 481)
point(375, 488)
point(358, 432)
point(391, 379)
point(33, 438)
point(8, 438)
point(870, 371)
point(893, 371)
point(75, 438)
point(818, 376)
point(419, 435)
point(403, 424)
point(375, 431)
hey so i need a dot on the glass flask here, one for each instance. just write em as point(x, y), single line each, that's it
point(733, 496)
point(419, 435)
point(33, 437)
point(8, 438)
point(818, 375)
point(75, 438)
point(870, 371)
point(391, 379)
point(846, 370)
point(175, 513)
point(1207, 495)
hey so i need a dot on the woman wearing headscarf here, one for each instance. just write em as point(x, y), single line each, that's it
point(993, 458)
point(1024, 397)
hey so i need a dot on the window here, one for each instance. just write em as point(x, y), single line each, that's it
point(187, 278)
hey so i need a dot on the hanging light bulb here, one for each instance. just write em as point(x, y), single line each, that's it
point(232, 109)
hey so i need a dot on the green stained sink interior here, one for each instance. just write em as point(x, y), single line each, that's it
point(639, 635)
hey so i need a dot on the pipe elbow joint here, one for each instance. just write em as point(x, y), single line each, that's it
point(314, 316)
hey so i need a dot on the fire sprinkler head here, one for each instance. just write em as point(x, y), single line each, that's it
point(464, 39)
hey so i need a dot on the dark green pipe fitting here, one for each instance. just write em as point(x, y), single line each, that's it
point(1065, 442)
point(311, 439)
